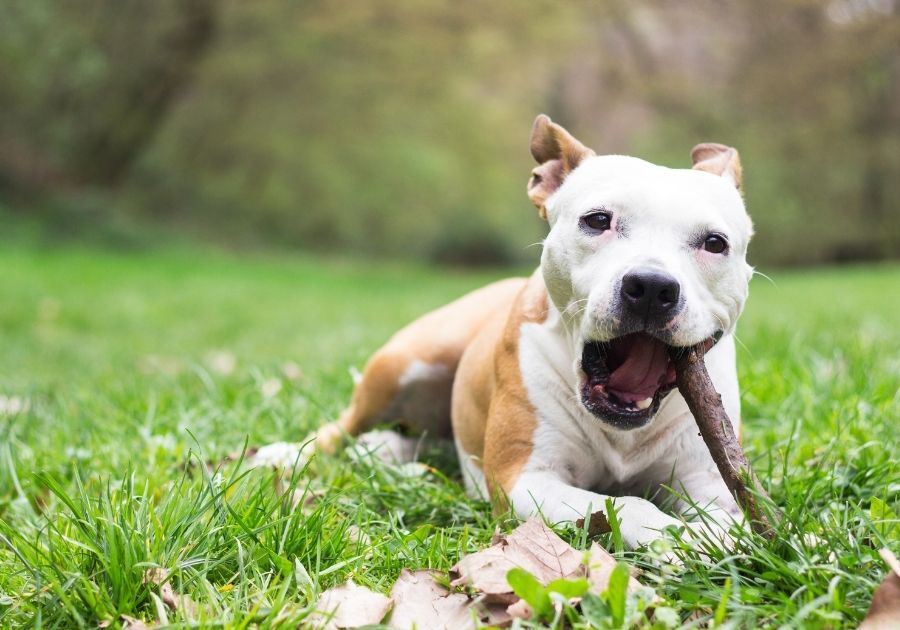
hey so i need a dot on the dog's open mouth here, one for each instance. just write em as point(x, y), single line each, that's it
point(626, 378)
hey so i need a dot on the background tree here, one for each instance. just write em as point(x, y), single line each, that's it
point(399, 127)
point(87, 84)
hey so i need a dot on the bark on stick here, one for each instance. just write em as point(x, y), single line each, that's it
point(706, 406)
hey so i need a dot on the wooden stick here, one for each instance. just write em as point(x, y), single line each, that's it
point(705, 404)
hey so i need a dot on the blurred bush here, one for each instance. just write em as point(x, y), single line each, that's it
point(400, 127)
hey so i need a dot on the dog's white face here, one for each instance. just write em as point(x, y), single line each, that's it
point(641, 259)
point(614, 215)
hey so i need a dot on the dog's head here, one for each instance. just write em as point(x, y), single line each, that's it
point(639, 259)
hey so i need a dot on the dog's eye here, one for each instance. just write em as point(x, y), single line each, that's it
point(715, 244)
point(598, 221)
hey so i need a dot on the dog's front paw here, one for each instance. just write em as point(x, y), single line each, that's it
point(641, 523)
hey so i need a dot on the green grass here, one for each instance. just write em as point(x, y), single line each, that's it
point(138, 369)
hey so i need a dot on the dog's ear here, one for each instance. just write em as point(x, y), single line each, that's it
point(558, 153)
point(718, 160)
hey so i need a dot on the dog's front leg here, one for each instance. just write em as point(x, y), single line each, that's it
point(548, 494)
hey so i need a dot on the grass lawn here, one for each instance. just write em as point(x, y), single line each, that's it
point(120, 375)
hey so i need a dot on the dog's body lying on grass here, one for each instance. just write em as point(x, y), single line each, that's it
point(559, 388)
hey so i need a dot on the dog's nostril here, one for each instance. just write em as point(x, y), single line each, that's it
point(665, 296)
point(634, 290)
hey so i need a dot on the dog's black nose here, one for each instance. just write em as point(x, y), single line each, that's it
point(650, 293)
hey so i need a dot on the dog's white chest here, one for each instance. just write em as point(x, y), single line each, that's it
point(571, 442)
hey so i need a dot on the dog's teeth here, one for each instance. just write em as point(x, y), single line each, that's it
point(643, 404)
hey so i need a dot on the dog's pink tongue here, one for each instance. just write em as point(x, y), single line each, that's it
point(642, 372)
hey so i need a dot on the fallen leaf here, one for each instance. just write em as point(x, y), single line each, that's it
point(422, 603)
point(153, 364)
point(358, 536)
point(168, 596)
point(271, 387)
point(285, 456)
point(156, 575)
point(13, 405)
point(350, 606)
point(130, 623)
point(222, 362)
point(532, 546)
point(174, 601)
point(884, 612)
point(495, 615)
point(247, 454)
point(597, 524)
point(307, 499)
point(291, 371)
point(485, 571)
point(519, 610)
point(600, 565)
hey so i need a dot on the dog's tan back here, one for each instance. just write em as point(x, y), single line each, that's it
point(409, 380)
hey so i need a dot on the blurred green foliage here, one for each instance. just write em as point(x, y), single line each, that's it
point(399, 127)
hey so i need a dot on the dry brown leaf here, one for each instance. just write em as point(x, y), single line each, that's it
point(600, 565)
point(306, 499)
point(519, 610)
point(494, 615)
point(485, 571)
point(421, 603)
point(174, 601)
point(532, 546)
point(168, 596)
point(130, 623)
point(358, 536)
point(214, 464)
point(350, 606)
point(597, 525)
point(156, 575)
point(884, 612)
point(247, 454)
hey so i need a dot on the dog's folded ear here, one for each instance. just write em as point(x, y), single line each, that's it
point(558, 153)
point(718, 160)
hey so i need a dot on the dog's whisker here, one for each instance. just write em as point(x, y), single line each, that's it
point(743, 345)
point(762, 275)
point(721, 321)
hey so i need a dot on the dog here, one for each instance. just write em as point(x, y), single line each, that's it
point(558, 389)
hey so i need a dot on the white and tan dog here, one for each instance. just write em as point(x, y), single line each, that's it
point(559, 387)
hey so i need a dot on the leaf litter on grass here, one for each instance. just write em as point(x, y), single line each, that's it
point(172, 600)
point(884, 613)
point(528, 573)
